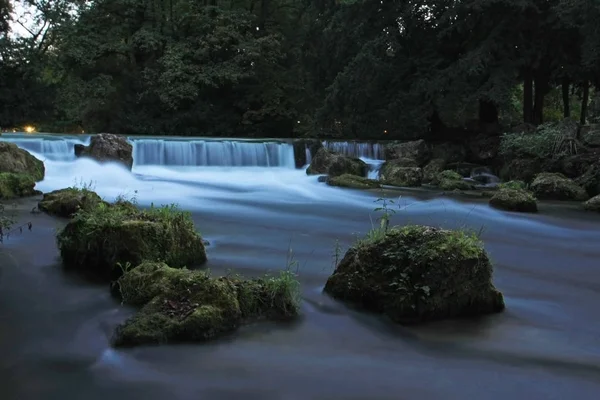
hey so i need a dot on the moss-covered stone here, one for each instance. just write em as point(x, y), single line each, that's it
point(417, 273)
point(66, 202)
point(521, 169)
point(554, 186)
point(393, 173)
point(96, 241)
point(590, 180)
point(452, 180)
point(593, 204)
point(180, 305)
point(417, 150)
point(18, 161)
point(353, 182)
point(512, 199)
point(513, 185)
point(13, 186)
point(335, 164)
point(432, 170)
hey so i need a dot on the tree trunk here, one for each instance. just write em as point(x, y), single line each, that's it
point(540, 90)
point(584, 102)
point(566, 98)
point(488, 112)
point(528, 97)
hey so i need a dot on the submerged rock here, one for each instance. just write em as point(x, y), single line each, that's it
point(417, 273)
point(336, 164)
point(592, 204)
point(66, 202)
point(514, 199)
point(352, 181)
point(13, 185)
point(107, 147)
point(180, 305)
point(18, 161)
point(394, 173)
point(102, 241)
point(554, 186)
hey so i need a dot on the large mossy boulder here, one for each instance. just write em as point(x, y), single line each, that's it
point(107, 147)
point(590, 135)
point(512, 199)
point(451, 180)
point(593, 204)
point(102, 241)
point(395, 173)
point(483, 148)
point(521, 169)
point(66, 202)
point(555, 186)
point(417, 150)
point(432, 170)
point(13, 185)
point(353, 182)
point(415, 274)
point(590, 180)
point(179, 305)
point(335, 164)
point(18, 161)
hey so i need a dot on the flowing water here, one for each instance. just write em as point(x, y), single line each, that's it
point(252, 205)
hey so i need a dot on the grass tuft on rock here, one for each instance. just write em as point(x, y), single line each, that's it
point(97, 240)
point(415, 273)
point(180, 305)
point(14, 185)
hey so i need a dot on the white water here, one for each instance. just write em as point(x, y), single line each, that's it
point(371, 151)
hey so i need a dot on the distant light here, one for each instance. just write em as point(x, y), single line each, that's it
point(298, 121)
point(29, 129)
point(257, 28)
point(385, 131)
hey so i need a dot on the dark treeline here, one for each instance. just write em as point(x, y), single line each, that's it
point(286, 68)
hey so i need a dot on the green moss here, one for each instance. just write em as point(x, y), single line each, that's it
point(18, 161)
point(449, 175)
point(353, 181)
point(514, 200)
point(97, 240)
point(450, 180)
point(16, 185)
point(187, 306)
point(554, 186)
point(67, 202)
point(431, 172)
point(417, 273)
point(395, 174)
point(513, 185)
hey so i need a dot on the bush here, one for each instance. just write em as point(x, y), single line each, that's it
point(547, 142)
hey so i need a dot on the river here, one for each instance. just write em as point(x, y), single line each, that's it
point(253, 207)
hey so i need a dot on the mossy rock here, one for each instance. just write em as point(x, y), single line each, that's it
point(431, 171)
point(18, 161)
point(13, 186)
point(592, 204)
point(335, 164)
point(514, 200)
point(417, 273)
point(393, 173)
point(353, 182)
point(67, 202)
point(555, 186)
point(451, 180)
point(513, 185)
point(103, 240)
point(521, 169)
point(179, 305)
point(590, 180)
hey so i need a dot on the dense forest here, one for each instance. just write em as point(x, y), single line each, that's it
point(396, 69)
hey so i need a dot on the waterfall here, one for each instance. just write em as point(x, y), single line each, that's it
point(55, 148)
point(212, 153)
point(373, 151)
point(308, 155)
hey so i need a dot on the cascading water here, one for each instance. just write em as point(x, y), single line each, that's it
point(212, 153)
point(372, 151)
point(55, 148)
